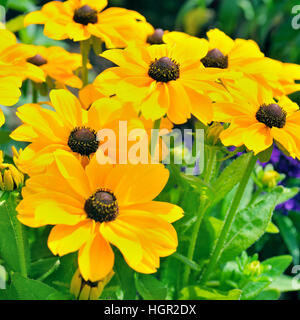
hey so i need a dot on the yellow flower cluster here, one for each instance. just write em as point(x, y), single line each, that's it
point(158, 75)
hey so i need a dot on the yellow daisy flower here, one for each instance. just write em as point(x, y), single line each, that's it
point(162, 79)
point(100, 205)
point(54, 62)
point(80, 19)
point(243, 56)
point(69, 127)
point(257, 119)
point(12, 71)
point(12, 62)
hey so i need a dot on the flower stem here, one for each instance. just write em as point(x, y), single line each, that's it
point(154, 137)
point(34, 93)
point(218, 250)
point(204, 204)
point(85, 50)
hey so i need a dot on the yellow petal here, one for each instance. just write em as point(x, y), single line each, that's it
point(95, 258)
point(65, 239)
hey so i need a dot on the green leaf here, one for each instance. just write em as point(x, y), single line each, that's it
point(249, 225)
point(268, 294)
point(201, 293)
point(62, 276)
point(126, 277)
point(278, 265)
point(14, 248)
point(288, 193)
point(230, 177)
point(289, 234)
point(28, 289)
point(253, 289)
point(265, 155)
point(149, 287)
point(22, 6)
point(43, 267)
point(209, 231)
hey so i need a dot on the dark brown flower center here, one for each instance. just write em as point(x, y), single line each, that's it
point(37, 60)
point(156, 37)
point(272, 115)
point(85, 15)
point(164, 70)
point(102, 206)
point(83, 141)
point(215, 59)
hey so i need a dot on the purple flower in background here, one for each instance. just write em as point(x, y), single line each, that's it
point(291, 168)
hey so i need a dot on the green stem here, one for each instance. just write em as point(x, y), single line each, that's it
point(154, 137)
point(85, 50)
point(218, 250)
point(204, 205)
point(34, 93)
point(18, 234)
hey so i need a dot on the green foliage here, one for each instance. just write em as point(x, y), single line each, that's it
point(149, 287)
point(249, 225)
point(199, 293)
point(14, 248)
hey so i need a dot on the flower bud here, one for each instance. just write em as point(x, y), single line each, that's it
point(213, 133)
point(11, 178)
point(88, 290)
point(270, 178)
point(253, 269)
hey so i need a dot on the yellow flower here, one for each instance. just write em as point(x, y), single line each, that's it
point(12, 62)
point(10, 177)
point(244, 56)
point(257, 119)
point(88, 95)
point(54, 62)
point(289, 73)
point(12, 71)
point(162, 79)
point(88, 290)
point(80, 19)
point(99, 205)
point(68, 127)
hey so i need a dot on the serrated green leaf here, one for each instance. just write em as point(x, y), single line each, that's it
point(249, 225)
point(230, 177)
